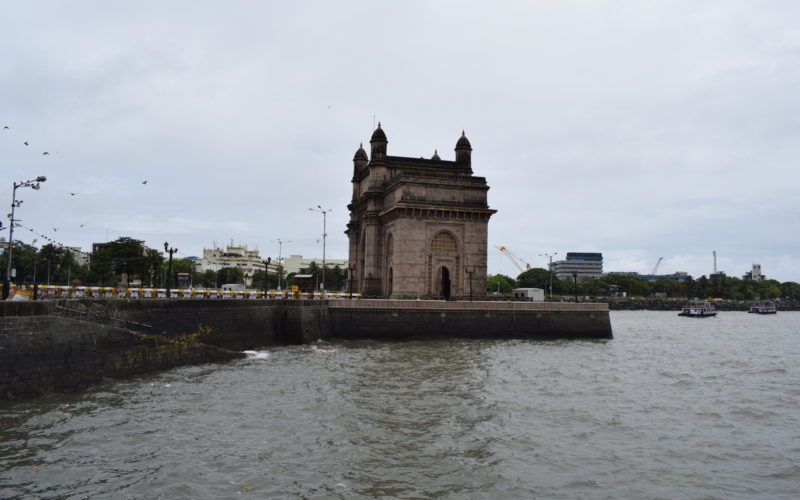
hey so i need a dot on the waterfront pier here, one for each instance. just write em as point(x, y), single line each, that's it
point(60, 345)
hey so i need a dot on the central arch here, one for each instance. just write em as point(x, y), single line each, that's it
point(443, 261)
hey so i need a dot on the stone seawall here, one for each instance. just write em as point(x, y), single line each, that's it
point(41, 353)
point(407, 319)
point(58, 345)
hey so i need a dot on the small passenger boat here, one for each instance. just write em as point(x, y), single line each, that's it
point(698, 309)
point(763, 308)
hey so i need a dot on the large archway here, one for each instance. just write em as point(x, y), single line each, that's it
point(443, 257)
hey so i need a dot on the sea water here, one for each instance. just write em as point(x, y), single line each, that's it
point(670, 408)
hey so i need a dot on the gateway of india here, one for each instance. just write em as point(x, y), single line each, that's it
point(418, 227)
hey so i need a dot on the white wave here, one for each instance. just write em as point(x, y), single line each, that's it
point(257, 354)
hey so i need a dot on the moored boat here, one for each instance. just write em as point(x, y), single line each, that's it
point(763, 308)
point(698, 309)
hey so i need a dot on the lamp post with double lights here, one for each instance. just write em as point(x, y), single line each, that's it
point(33, 184)
point(470, 270)
point(266, 272)
point(324, 213)
point(169, 266)
point(575, 284)
point(280, 243)
point(550, 268)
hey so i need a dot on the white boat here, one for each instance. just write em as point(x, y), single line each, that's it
point(763, 308)
point(698, 309)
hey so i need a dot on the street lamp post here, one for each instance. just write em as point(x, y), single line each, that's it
point(266, 271)
point(280, 260)
point(470, 270)
point(351, 267)
point(33, 184)
point(575, 284)
point(169, 267)
point(324, 235)
point(550, 268)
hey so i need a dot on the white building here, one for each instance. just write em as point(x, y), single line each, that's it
point(531, 294)
point(235, 256)
point(755, 274)
point(79, 255)
point(294, 263)
point(582, 263)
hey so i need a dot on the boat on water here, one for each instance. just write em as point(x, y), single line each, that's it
point(763, 308)
point(698, 309)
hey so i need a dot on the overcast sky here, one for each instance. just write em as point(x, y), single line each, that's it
point(639, 129)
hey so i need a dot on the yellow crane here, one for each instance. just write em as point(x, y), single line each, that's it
point(514, 259)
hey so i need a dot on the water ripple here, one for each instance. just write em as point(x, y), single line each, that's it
point(670, 408)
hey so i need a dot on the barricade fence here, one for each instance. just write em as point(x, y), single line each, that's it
point(26, 292)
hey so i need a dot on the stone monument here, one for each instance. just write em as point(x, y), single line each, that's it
point(418, 226)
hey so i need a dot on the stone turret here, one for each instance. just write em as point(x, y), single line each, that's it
point(464, 151)
point(378, 143)
point(360, 160)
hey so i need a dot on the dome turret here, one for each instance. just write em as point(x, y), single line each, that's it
point(463, 150)
point(361, 154)
point(435, 156)
point(378, 143)
point(360, 159)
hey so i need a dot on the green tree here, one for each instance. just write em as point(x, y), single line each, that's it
point(633, 286)
point(230, 275)
point(669, 288)
point(534, 278)
point(24, 256)
point(258, 280)
point(790, 290)
point(207, 279)
point(500, 283)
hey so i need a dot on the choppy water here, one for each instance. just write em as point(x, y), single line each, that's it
point(671, 408)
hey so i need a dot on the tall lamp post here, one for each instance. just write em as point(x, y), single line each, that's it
point(550, 268)
point(324, 235)
point(169, 266)
point(33, 184)
point(470, 270)
point(280, 260)
point(266, 271)
point(351, 267)
point(575, 284)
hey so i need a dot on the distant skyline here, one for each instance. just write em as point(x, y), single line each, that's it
point(636, 129)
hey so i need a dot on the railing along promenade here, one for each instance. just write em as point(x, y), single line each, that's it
point(109, 292)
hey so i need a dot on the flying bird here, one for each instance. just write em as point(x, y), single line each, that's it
point(144, 182)
point(5, 127)
point(82, 225)
point(25, 143)
point(55, 229)
point(45, 153)
point(73, 194)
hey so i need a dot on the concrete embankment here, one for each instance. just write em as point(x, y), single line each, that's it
point(59, 345)
point(403, 319)
point(42, 351)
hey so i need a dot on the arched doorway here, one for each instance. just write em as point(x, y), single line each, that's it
point(445, 283)
point(443, 263)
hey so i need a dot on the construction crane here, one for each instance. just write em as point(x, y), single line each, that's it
point(655, 268)
point(514, 259)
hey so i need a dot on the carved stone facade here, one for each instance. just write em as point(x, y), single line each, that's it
point(418, 227)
